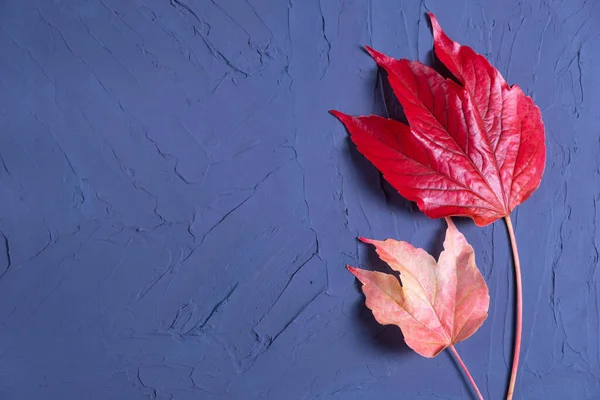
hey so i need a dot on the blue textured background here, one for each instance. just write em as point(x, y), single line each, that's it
point(177, 206)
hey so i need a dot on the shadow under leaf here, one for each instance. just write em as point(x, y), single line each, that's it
point(385, 338)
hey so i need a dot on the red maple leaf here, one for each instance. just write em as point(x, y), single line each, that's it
point(473, 149)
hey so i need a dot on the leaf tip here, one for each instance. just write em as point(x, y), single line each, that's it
point(344, 118)
point(353, 270)
point(380, 58)
point(365, 240)
point(437, 29)
point(337, 114)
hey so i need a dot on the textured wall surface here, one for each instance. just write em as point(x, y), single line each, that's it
point(177, 206)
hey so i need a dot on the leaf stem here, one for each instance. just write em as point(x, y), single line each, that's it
point(519, 320)
point(464, 367)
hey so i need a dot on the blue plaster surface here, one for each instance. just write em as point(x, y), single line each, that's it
point(177, 206)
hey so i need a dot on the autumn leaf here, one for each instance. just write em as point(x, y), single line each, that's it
point(439, 303)
point(473, 149)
